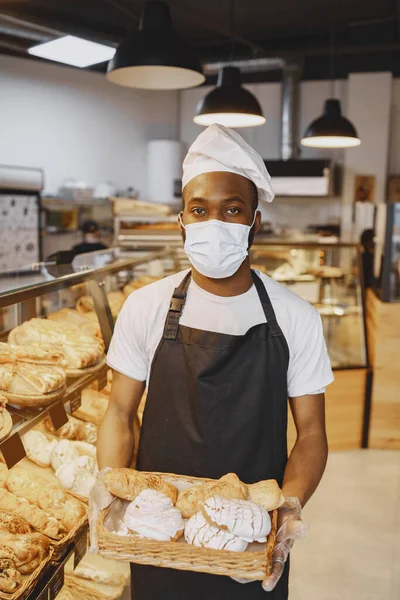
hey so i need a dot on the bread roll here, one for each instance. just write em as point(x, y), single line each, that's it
point(199, 532)
point(38, 448)
point(244, 519)
point(29, 550)
point(12, 523)
point(266, 493)
point(128, 484)
point(191, 500)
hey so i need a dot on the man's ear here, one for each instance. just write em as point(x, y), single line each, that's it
point(257, 222)
point(180, 221)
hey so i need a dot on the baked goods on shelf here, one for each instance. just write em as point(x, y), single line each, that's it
point(37, 518)
point(93, 406)
point(128, 484)
point(11, 523)
point(5, 418)
point(29, 384)
point(46, 495)
point(29, 550)
point(74, 429)
point(38, 448)
point(88, 324)
point(75, 467)
point(191, 500)
point(10, 353)
point(79, 348)
point(116, 300)
point(96, 578)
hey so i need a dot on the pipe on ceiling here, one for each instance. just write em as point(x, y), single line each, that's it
point(253, 65)
point(290, 111)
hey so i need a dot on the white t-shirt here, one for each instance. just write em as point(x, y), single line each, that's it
point(140, 325)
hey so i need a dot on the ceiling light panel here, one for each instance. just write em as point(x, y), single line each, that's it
point(73, 51)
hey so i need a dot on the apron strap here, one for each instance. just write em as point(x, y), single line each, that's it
point(267, 305)
point(175, 308)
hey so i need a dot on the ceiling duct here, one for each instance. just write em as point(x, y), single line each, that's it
point(290, 111)
point(254, 65)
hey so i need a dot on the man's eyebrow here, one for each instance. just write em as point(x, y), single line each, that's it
point(224, 201)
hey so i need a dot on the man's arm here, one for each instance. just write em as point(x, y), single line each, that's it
point(308, 458)
point(115, 440)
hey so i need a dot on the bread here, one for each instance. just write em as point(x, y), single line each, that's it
point(199, 532)
point(10, 578)
point(69, 315)
point(29, 550)
point(266, 493)
point(3, 475)
point(152, 515)
point(32, 514)
point(128, 483)
point(79, 348)
point(116, 300)
point(6, 422)
point(47, 496)
point(38, 448)
point(191, 500)
point(13, 523)
point(244, 519)
point(31, 380)
point(94, 567)
point(10, 353)
point(63, 452)
point(76, 478)
point(74, 429)
point(93, 407)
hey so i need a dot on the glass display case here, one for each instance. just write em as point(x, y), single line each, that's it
point(328, 276)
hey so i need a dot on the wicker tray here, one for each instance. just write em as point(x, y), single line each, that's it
point(60, 545)
point(254, 564)
point(28, 582)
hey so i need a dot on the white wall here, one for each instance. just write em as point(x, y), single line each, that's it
point(74, 123)
point(295, 212)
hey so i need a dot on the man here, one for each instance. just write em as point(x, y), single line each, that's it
point(221, 349)
point(91, 243)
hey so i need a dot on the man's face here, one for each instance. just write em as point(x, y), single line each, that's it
point(218, 195)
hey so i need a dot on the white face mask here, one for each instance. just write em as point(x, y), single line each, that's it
point(217, 249)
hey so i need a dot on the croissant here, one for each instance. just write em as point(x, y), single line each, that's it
point(29, 550)
point(35, 516)
point(128, 483)
point(191, 500)
point(10, 579)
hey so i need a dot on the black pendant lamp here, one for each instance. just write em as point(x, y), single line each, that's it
point(229, 103)
point(332, 129)
point(155, 57)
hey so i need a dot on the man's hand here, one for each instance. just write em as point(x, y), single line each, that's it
point(290, 528)
point(99, 499)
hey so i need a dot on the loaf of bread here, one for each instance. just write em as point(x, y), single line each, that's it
point(10, 578)
point(93, 407)
point(29, 550)
point(32, 514)
point(128, 484)
point(38, 448)
point(191, 500)
point(5, 418)
point(11, 523)
point(69, 315)
point(266, 493)
point(74, 429)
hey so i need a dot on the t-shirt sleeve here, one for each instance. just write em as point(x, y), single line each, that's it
point(127, 351)
point(309, 366)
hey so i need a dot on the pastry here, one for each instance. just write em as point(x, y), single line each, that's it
point(116, 300)
point(13, 523)
point(10, 578)
point(85, 449)
point(69, 315)
point(30, 379)
point(63, 452)
point(32, 514)
point(74, 429)
point(48, 496)
point(128, 483)
point(3, 475)
point(266, 493)
point(152, 515)
point(191, 500)
point(94, 567)
point(199, 532)
point(30, 550)
point(79, 348)
point(38, 448)
point(93, 407)
point(244, 519)
point(76, 478)
point(10, 353)
point(5, 419)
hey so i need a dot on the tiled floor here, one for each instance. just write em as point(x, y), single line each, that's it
point(353, 548)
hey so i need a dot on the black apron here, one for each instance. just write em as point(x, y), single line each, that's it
point(216, 404)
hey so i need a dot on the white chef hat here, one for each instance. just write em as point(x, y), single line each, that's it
point(219, 148)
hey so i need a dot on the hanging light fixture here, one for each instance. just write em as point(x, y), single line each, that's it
point(155, 57)
point(332, 129)
point(229, 103)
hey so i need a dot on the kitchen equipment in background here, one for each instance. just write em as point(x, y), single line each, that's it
point(104, 190)
point(19, 216)
point(164, 166)
point(76, 191)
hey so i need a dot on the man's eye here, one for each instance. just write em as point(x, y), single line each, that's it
point(199, 211)
point(233, 210)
